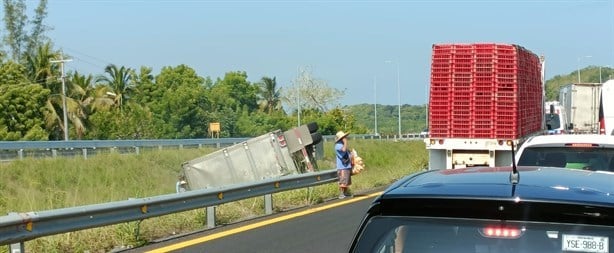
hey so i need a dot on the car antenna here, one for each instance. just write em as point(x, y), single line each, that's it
point(514, 176)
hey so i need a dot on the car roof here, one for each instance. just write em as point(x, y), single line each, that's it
point(561, 139)
point(535, 184)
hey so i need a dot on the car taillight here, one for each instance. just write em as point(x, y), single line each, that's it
point(501, 232)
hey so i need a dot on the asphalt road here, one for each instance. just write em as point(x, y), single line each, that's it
point(328, 227)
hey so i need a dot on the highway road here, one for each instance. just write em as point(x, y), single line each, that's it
point(328, 227)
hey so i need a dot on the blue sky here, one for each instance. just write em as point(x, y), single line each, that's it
point(345, 43)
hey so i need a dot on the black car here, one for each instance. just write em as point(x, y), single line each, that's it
point(492, 209)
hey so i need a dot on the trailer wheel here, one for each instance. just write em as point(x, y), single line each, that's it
point(316, 137)
point(313, 127)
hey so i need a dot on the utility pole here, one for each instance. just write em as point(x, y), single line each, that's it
point(375, 102)
point(63, 77)
point(298, 95)
point(398, 94)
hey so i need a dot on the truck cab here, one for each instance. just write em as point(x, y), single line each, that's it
point(554, 118)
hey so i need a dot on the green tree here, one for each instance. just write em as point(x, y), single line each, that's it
point(178, 102)
point(144, 85)
point(40, 68)
point(132, 122)
point(270, 95)
point(15, 22)
point(21, 105)
point(85, 99)
point(118, 80)
point(37, 34)
point(19, 41)
point(234, 91)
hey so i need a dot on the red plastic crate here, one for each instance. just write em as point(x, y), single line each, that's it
point(483, 125)
point(443, 96)
point(463, 103)
point(488, 116)
point(456, 133)
point(483, 91)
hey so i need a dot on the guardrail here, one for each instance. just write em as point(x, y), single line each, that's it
point(16, 228)
point(17, 150)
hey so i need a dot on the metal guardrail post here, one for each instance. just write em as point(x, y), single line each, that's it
point(84, 153)
point(268, 204)
point(137, 150)
point(20, 154)
point(54, 153)
point(17, 248)
point(210, 216)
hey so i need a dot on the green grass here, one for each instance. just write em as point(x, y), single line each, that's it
point(51, 183)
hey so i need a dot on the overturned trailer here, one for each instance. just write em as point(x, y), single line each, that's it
point(270, 155)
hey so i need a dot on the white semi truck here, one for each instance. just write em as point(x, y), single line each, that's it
point(483, 97)
point(581, 104)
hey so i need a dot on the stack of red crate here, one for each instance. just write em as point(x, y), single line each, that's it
point(484, 90)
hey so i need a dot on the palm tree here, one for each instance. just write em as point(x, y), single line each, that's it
point(41, 70)
point(270, 98)
point(119, 83)
point(86, 99)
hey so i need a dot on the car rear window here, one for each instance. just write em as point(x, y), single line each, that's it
point(423, 235)
point(589, 158)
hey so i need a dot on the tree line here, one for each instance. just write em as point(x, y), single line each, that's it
point(127, 103)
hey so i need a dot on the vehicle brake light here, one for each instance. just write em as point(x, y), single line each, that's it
point(282, 140)
point(581, 145)
point(501, 232)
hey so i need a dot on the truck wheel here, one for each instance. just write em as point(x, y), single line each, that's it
point(313, 127)
point(316, 137)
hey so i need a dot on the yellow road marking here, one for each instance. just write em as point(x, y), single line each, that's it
point(258, 224)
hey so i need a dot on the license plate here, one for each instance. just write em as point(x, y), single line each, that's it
point(585, 243)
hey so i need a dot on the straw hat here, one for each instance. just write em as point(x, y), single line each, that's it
point(340, 135)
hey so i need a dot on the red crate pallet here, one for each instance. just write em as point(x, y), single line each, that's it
point(483, 91)
point(439, 94)
point(435, 103)
point(439, 133)
point(463, 103)
point(484, 87)
point(441, 80)
point(443, 96)
point(442, 55)
point(440, 66)
point(439, 108)
point(486, 126)
point(460, 134)
point(482, 135)
point(440, 85)
point(483, 116)
point(464, 80)
point(435, 118)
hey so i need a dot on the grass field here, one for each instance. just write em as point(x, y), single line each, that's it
point(44, 184)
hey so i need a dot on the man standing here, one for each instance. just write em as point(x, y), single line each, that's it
point(344, 163)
